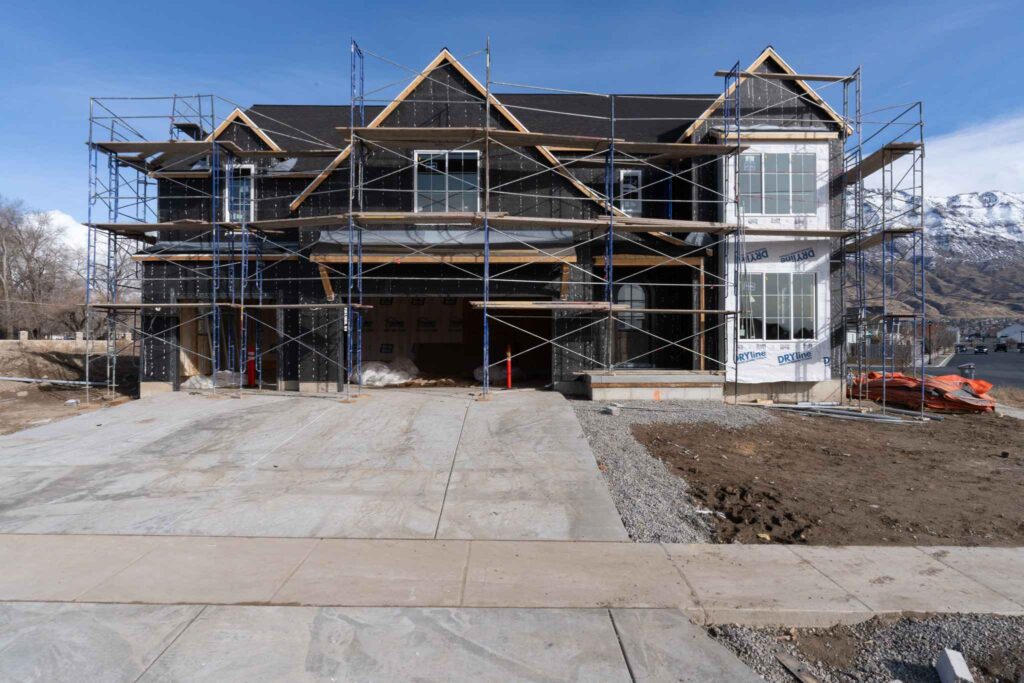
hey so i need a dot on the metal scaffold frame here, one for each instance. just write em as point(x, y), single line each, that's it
point(886, 240)
point(618, 227)
point(239, 250)
point(234, 248)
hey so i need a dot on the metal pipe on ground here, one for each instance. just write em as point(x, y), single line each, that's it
point(34, 380)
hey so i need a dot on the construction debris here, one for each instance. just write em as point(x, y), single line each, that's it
point(842, 413)
point(797, 668)
point(44, 380)
point(944, 394)
point(952, 667)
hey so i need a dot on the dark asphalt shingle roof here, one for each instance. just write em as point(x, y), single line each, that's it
point(642, 118)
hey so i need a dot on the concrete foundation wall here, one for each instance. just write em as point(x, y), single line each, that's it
point(828, 390)
point(154, 388)
point(655, 393)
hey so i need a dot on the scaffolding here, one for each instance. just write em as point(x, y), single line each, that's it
point(882, 261)
point(598, 234)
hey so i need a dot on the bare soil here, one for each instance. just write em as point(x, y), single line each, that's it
point(817, 480)
point(24, 405)
point(30, 405)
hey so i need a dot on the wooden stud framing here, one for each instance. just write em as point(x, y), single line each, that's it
point(325, 279)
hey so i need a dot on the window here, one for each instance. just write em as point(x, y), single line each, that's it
point(751, 190)
point(777, 306)
point(633, 296)
point(630, 192)
point(239, 195)
point(447, 181)
point(778, 184)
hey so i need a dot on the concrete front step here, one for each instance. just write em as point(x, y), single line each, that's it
point(770, 584)
point(653, 385)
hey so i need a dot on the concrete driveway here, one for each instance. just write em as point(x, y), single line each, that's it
point(424, 463)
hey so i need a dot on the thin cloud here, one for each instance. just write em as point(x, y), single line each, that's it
point(982, 157)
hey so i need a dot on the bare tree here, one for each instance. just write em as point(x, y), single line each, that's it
point(12, 215)
point(40, 274)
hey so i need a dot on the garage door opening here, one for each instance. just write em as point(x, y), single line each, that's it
point(443, 337)
point(248, 355)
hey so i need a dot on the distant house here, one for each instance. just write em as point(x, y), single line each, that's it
point(1014, 332)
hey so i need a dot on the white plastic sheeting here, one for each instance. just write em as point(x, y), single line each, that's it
point(380, 374)
point(224, 378)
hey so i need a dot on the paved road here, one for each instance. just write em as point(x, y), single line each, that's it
point(1002, 369)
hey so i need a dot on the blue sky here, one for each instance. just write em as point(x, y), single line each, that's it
point(960, 58)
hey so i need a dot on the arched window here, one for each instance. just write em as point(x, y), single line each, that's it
point(633, 296)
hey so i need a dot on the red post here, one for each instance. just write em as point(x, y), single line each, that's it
point(508, 367)
point(250, 368)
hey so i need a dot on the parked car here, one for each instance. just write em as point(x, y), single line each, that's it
point(961, 348)
point(980, 349)
point(1001, 346)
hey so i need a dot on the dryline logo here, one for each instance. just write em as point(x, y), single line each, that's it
point(795, 357)
point(798, 256)
point(747, 356)
point(755, 255)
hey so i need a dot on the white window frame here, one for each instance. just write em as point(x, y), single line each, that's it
point(764, 303)
point(252, 191)
point(621, 199)
point(416, 176)
point(764, 195)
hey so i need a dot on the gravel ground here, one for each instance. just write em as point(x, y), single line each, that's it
point(886, 649)
point(653, 503)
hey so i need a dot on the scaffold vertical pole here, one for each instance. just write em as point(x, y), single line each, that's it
point(353, 161)
point(609, 248)
point(360, 99)
point(90, 251)
point(487, 225)
point(919, 241)
point(215, 239)
point(731, 125)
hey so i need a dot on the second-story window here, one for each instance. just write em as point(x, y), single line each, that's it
point(239, 194)
point(776, 184)
point(631, 192)
point(447, 181)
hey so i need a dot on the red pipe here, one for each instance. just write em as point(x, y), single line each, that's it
point(508, 367)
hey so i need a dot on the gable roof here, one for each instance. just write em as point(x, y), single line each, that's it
point(768, 53)
point(234, 118)
point(442, 58)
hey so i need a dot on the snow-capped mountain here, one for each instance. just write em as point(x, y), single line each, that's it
point(974, 250)
point(976, 226)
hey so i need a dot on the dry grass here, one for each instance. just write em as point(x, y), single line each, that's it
point(1011, 396)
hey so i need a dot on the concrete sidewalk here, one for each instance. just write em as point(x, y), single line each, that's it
point(771, 584)
point(54, 643)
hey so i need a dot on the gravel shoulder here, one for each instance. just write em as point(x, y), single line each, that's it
point(884, 649)
point(655, 505)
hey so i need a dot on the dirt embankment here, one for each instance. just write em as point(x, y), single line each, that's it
point(802, 479)
point(24, 405)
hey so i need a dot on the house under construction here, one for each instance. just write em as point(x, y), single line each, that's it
point(612, 245)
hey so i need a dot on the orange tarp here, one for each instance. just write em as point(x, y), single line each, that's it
point(945, 394)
